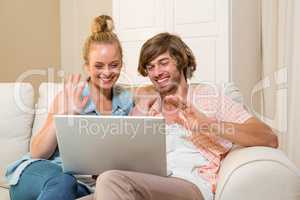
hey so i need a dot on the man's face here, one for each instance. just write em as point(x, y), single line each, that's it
point(164, 74)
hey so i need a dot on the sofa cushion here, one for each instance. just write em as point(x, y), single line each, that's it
point(259, 172)
point(16, 118)
point(47, 92)
point(4, 194)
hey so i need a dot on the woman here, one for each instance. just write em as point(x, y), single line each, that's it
point(39, 175)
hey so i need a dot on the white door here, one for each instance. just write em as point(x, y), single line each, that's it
point(202, 24)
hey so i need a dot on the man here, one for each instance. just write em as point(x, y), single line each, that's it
point(168, 62)
point(212, 120)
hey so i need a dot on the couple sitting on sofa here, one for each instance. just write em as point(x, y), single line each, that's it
point(204, 122)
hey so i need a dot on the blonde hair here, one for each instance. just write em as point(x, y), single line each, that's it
point(166, 42)
point(101, 32)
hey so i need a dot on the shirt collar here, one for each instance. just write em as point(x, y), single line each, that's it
point(120, 102)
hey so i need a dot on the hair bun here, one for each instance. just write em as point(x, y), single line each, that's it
point(102, 23)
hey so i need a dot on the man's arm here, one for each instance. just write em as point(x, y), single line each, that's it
point(250, 133)
point(144, 98)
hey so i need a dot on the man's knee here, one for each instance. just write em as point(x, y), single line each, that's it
point(114, 182)
point(111, 178)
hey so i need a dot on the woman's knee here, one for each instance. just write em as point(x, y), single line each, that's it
point(33, 178)
point(42, 169)
point(62, 181)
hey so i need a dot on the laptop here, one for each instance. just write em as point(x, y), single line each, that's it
point(90, 145)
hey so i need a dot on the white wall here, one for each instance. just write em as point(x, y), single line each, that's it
point(76, 17)
point(29, 39)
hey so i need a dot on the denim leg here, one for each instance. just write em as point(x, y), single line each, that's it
point(42, 179)
point(62, 187)
point(33, 179)
point(59, 187)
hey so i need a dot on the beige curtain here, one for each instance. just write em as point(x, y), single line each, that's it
point(279, 21)
point(293, 58)
point(270, 62)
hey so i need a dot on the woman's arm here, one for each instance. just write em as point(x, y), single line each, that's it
point(44, 142)
point(67, 101)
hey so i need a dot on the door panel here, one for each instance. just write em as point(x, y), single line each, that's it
point(204, 25)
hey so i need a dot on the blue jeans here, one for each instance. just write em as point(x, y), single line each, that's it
point(43, 180)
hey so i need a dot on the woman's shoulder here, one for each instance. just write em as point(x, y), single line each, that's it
point(122, 91)
point(123, 97)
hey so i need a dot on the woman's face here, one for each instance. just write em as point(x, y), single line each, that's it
point(104, 65)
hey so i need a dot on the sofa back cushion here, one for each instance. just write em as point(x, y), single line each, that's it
point(47, 92)
point(16, 118)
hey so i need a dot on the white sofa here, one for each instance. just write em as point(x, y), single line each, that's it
point(246, 173)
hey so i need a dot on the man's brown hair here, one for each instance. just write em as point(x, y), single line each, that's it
point(166, 42)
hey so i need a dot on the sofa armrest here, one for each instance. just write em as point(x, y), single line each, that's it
point(258, 173)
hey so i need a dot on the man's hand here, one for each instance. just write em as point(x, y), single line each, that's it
point(175, 110)
point(143, 106)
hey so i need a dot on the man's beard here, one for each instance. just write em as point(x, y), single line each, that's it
point(170, 89)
